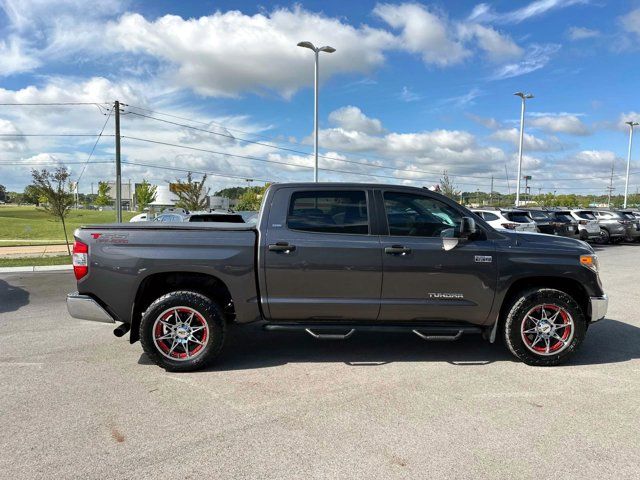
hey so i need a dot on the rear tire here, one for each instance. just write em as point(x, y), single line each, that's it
point(182, 331)
point(604, 237)
point(544, 327)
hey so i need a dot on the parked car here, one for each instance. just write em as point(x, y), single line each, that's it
point(613, 226)
point(565, 224)
point(200, 217)
point(633, 225)
point(543, 221)
point(588, 227)
point(170, 218)
point(332, 260)
point(518, 220)
point(141, 217)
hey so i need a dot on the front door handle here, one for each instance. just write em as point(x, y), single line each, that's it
point(281, 247)
point(397, 250)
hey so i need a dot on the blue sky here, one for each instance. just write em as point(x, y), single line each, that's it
point(412, 90)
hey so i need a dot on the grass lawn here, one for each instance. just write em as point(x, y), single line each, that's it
point(32, 225)
point(37, 261)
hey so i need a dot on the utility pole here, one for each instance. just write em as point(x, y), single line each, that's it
point(116, 107)
point(610, 188)
point(91, 188)
point(491, 192)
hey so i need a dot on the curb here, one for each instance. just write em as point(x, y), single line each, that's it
point(36, 269)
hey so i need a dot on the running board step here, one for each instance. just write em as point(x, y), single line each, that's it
point(441, 333)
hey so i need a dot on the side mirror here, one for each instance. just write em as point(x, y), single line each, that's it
point(467, 227)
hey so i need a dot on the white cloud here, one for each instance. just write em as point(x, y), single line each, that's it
point(423, 32)
point(497, 46)
point(531, 142)
point(581, 33)
point(487, 122)
point(14, 58)
point(570, 124)
point(407, 95)
point(484, 13)
point(624, 117)
point(228, 53)
point(596, 158)
point(631, 21)
point(536, 58)
point(352, 118)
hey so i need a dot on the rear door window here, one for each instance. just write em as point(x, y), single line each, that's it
point(329, 212)
point(586, 215)
point(490, 217)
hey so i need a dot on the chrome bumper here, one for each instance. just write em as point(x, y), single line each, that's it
point(598, 307)
point(86, 308)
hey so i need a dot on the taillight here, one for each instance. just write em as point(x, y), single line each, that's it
point(509, 226)
point(80, 259)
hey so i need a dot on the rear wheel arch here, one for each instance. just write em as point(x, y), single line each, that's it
point(156, 285)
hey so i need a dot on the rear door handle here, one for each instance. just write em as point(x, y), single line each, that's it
point(281, 247)
point(397, 250)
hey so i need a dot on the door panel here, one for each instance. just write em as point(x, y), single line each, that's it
point(315, 275)
point(425, 282)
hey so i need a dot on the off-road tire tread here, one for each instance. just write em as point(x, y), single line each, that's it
point(212, 314)
point(524, 301)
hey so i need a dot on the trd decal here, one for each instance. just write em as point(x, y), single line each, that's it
point(484, 259)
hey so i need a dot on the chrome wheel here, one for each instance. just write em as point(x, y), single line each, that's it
point(180, 333)
point(547, 329)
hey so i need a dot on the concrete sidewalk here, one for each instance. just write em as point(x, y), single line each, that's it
point(32, 251)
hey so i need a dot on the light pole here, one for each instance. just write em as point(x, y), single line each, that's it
point(316, 51)
point(626, 182)
point(524, 97)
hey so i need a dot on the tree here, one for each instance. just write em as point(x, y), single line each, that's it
point(102, 200)
point(3, 193)
point(145, 194)
point(251, 198)
point(191, 194)
point(31, 195)
point(447, 187)
point(232, 192)
point(53, 187)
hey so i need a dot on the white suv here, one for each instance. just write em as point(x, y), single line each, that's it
point(518, 220)
point(588, 226)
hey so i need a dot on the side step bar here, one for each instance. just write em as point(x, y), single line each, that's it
point(442, 333)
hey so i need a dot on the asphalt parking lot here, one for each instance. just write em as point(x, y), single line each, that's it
point(77, 402)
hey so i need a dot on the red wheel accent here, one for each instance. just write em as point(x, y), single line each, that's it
point(547, 329)
point(180, 333)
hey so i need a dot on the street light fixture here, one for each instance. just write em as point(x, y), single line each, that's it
point(524, 97)
point(626, 183)
point(316, 51)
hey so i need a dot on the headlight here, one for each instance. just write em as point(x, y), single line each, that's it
point(589, 261)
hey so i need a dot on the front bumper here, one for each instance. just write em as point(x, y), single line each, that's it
point(86, 308)
point(598, 307)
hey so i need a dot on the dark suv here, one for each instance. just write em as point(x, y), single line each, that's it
point(564, 223)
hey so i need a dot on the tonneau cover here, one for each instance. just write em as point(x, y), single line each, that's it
point(173, 226)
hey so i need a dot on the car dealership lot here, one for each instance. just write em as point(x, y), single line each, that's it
point(75, 401)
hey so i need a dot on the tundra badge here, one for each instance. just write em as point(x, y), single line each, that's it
point(484, 258)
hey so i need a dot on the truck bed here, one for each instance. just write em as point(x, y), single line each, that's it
point(172, 226)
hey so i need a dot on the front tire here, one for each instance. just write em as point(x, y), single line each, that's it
point(182, 331)
point(544, 327)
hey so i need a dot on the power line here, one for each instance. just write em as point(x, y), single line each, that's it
point(94, 147)
point(246, 157)
point(300, 152)
point(51, 104)
point(61, 163)
point(200, 172)
point(52, 135)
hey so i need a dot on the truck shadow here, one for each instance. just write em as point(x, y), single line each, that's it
point(12, 298)
point(249, 347)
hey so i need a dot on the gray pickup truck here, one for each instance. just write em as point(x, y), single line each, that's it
point(332, 259)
